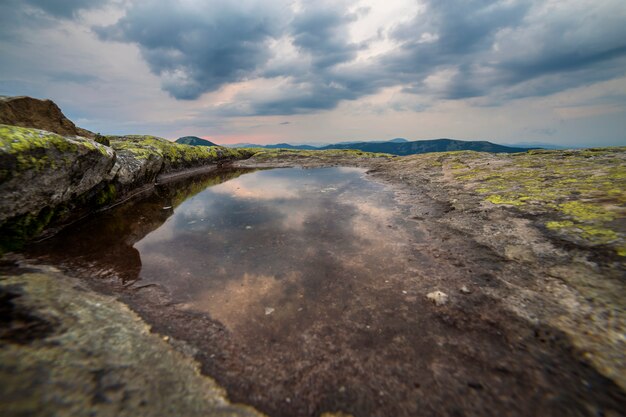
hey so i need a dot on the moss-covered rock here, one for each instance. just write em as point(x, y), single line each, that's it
point(175, 156)
point(46, 178)
point(576, 195)
point(142, 158)
point(41, 171)
point(67, 351)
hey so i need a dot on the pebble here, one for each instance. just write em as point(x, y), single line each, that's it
point(438, 297)
point(465, 290)
point(268, 311)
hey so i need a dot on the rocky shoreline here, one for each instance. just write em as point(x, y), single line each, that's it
point(528, 248)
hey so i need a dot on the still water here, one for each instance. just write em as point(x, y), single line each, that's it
point(270, 243)
point(299, 268)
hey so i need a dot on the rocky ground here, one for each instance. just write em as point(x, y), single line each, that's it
point(67, 351)
point(554, 220)
point(523, 252)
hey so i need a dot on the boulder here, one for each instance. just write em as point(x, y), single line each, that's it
point(41, 171)
point(40, 114)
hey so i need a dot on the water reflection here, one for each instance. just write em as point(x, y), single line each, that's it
point(104, 243)
point(274, 246)
point(271, 243)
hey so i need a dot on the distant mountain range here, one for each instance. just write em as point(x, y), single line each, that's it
point(535, 145)
point(195, 141)
point(400, 146)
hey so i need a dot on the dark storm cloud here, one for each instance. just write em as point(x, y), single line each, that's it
point(198, 48)
point(323, 33)
point(65, 8)
point(17, 15)
point(498, 50)
point(496, 46)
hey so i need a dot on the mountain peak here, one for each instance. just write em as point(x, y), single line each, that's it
point(194, 141)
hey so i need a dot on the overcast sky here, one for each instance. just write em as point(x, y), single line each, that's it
point(268, 71)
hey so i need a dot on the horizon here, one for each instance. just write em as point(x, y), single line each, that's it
point(297, 72)
point(339, 141)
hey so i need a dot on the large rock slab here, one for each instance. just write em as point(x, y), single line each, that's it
point(66, 351)
point(41, 171)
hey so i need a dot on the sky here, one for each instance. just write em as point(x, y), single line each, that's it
point(269, 71)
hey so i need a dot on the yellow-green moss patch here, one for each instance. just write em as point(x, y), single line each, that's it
point(583, 191)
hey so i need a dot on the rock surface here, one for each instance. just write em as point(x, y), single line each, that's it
point(40, 114)
point(438, 297)
point(555, 220)
point(62, 353)
point(42, 169)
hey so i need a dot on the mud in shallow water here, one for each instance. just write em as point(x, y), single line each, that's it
point(301, 292)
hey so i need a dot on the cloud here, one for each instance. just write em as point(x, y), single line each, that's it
point(17, 16)
point(285, 57)
point(72, 77)
point(322, 32)
point(197, 47)
point(65, 8)
point(509, 49)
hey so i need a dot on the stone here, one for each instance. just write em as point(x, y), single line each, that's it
point(40, 114)
point(76, 353)
point(438, 297)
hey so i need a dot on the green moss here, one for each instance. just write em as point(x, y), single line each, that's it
point(31, 147)
point(553, 225)
point(584, 191)
point(17, 231)
point(586, 212)
point(500, 199)
point(598, 235)
point(27, 146)
point(103, 140)
point(14, 139)
point(106, 196)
